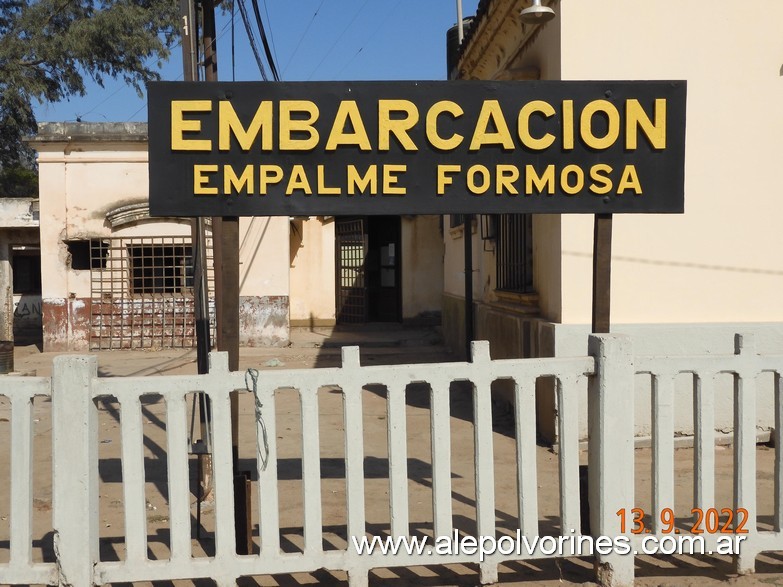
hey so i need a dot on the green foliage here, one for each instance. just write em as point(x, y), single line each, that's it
point(18, 182)
point(48, 47)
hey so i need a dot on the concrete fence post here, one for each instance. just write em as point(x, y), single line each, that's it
point(75, 464)
point(610, 451)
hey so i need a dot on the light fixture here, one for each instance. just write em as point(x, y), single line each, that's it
point(536, 13)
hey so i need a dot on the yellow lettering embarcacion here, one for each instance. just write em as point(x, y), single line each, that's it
point(613, 124)
point(180, 125)
point(599, 175)
point(490, 111)
point(323, 189)
point(629, 181)
point(268, 174)
point(390, 187)
point(201, 185)
point(229, 125)
point(362, 183)
point(505, 176)
point(298, 181)
point(437, 141)
point(579, 175)
point(568, 125)
point(444, 179)
point(338, 136)
point(234, 184)
point(636, 118)
point(540, 183)
point(481, 187)
point(290, 124)
point(523, 127)
point(398, 127)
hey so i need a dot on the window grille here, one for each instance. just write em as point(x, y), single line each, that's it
point(514, 253)
point(157, 269)
point(143, 293)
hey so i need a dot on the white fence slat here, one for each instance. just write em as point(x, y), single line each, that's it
point(21, 511)
point(440, 430)
point(527, 469)
point(398, 458)
point(745, 446)
point(484, 456)
point(132, 436)
point(662, 445)
point(778, 441)
point(704, 441)
point(568, 459)
point(179, 490)
point(354, 460)
point(484, 459)
point(268, 500)
point(223, 474)
point(311, 472)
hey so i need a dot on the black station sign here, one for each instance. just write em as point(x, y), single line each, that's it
point(362, 148)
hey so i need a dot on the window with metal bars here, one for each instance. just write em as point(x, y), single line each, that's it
point(160, 269)
point(514, 253)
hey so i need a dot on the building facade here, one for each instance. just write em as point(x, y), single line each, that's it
point(112, 277)
point(680, 283)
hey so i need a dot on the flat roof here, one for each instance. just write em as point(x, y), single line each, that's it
point(55, 132)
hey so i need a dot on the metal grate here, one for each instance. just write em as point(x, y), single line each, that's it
point(514, 257)
point(351, 286)
point(142, 292)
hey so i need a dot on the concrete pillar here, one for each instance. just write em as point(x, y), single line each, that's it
point(6, 291)
point(610, 451)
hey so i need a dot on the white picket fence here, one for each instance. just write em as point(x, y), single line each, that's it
point(608, 371)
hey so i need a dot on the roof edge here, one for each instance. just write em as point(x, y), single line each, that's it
point(57, 132)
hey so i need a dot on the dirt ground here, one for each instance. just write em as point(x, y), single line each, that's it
point(664, 570)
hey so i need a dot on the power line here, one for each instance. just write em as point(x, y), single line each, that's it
point(251, 39)
point(271, 36)
point(270, 60)
point(382, 22)
point(337, 40)
point(180, 76)
point(302, 38)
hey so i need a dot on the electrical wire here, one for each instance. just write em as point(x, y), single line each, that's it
point(271, 36)
point(251, 39)
point(302, 38)
point(181, 75)
point(372, 36)
point(337, 40)
point(270, 60)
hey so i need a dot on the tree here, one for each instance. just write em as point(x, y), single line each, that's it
point(49, 47)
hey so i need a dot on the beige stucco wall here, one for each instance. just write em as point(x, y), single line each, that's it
point(422, 267)
point(82, 181)
point(720, 261)
point(312, 272)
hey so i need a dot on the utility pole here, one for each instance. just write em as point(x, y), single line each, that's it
point(225, 242)
point(225, 239)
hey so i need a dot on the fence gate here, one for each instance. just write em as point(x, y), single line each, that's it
point(351, 252)
point(142, 292)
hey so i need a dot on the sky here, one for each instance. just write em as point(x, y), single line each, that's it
point(312, 40)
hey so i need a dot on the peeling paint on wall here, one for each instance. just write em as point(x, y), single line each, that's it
point(66, 324)
point(263, 321)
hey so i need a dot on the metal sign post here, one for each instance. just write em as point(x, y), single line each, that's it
point(602, 272)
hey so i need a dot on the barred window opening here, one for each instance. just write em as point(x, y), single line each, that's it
point(514, 253)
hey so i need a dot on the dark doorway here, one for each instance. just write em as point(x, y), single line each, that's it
point(368, 269)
